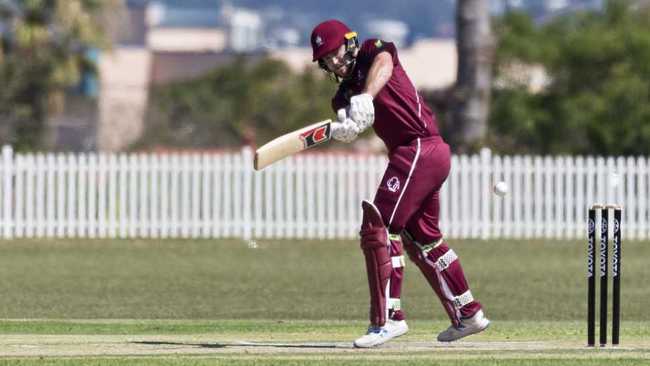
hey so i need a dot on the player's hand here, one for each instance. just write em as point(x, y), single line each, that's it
point(362, 111)
point(345, 129)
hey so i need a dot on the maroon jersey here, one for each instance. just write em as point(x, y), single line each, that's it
point(400, 113)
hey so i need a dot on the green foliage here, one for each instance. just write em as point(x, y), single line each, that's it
point(597, 99)
point(41, 54)
point(232, 103)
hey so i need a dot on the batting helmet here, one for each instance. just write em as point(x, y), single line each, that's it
point(330, 35)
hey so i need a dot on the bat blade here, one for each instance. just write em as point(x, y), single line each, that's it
point(292, 143)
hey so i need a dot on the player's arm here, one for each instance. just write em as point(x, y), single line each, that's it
point(380, 72)
point(362, 110)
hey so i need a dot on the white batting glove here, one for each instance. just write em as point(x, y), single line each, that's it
point(362, 111)
point(342, 114)
point(345, 130)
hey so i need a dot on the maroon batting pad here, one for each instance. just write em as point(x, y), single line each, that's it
point(374, 243)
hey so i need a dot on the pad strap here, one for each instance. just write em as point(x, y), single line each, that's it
point(394, 237)
point(463, 299)
point(398, 261)
point(426, 248)
point(446, 260)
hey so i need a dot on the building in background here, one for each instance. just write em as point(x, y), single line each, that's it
point(243, 28)
point(543, 10)
point(158, 44)
point(394, 30)
point(162, 41)
point(431, 63)
point(124, 79)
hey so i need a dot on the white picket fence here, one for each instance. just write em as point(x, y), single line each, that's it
point(308, 196)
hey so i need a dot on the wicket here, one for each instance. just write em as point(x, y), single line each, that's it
point(616, 273)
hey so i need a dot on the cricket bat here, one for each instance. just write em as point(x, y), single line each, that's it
point(292, 143)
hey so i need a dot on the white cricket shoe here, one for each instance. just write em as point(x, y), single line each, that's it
point(396, 328)
point(469, 326)
point(380, 335)
point(374, 337)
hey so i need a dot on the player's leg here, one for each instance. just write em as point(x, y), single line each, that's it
point(441, 267)
point(396, 250)
point(394, 202)
point(396, 323)
point(375, 247)
point(413, 172)
point(394, 301)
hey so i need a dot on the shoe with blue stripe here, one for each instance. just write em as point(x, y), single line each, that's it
point(374, 337)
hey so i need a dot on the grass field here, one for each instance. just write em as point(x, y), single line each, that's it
point(295, 302)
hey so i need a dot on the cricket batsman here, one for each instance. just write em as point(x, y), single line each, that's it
point(374, 91)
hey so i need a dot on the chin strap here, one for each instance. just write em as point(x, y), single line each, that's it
point(351, 48)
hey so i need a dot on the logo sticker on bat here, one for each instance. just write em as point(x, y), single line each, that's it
point(316, 136)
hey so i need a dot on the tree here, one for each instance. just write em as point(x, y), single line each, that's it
point(43, 45)
point(233, 104)
point(471, 95)
point(596, 99)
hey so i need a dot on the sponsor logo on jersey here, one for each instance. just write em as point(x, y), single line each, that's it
point(318, 41)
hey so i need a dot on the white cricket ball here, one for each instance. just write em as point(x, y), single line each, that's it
point(501, 188)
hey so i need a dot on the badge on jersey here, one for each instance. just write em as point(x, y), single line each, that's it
point(393, 184)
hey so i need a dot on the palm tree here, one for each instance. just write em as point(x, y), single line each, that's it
point(471, 97)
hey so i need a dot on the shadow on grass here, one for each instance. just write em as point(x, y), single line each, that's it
point(244, 344)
